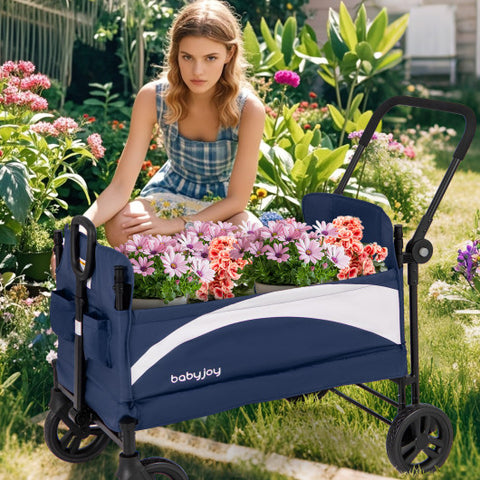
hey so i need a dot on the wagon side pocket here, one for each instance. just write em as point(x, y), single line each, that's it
point(96, 339)
point(62, 315)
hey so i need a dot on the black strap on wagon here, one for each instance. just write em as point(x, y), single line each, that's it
point(83, 270)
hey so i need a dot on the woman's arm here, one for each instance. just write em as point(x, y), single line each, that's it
point(118, 192)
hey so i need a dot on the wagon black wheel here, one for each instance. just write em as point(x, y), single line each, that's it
point(72, 443)
point(163, 469)
point(420, 438)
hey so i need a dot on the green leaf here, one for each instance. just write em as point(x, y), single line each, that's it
point(275, 59)
point(15, 189)
point(364, 51)
point(327, 78)
point(252, 47)
point(361, 23)
point(389, 60)
point(347, 27)
point(377, 29)
point(267, 36)
point(393, 33)
point(301, 52)
point(339, 119)
point(7, 236)
point(94, 102)
point(356, 102)
point(339, 47)
point(289, 35)
point(363, 120)
point(349, 63)
point(327, 162)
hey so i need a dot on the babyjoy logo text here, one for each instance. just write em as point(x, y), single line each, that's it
point(197, 376)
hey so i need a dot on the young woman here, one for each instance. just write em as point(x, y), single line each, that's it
point(211, 123)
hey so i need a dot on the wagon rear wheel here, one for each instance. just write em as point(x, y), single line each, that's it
point(71, 442)
point(420, 438)
point(163, 469)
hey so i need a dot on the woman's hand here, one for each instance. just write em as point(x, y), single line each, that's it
point(141, 218)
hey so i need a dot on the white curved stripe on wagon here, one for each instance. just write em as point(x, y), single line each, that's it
point(369, 307)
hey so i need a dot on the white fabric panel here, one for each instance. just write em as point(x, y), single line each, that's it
point(369, 307)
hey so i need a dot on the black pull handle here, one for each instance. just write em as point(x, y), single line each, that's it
point(440, 105)
point(86, 272)
point(450, 107)
point(57, 246)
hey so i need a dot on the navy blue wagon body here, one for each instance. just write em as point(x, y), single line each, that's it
point(120, 370)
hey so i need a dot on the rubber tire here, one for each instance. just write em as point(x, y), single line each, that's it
point(414, 431)
point(164, 467)
point(79, 454)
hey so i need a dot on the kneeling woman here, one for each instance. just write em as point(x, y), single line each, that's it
point(211, 123)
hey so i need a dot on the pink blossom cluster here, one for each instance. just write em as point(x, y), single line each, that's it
point(287, 77)
point(20, 86)
point(392, 145)
point(96, 147)
point(61, 126)
point(362, 257)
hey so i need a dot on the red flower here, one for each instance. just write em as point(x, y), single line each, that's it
point(314, 105)
point(307, 126)
point(312, 95)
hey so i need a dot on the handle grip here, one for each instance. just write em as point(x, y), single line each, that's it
point(86, 272)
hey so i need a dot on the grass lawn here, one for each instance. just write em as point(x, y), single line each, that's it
point(328, 431)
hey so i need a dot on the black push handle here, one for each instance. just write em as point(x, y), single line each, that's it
point(450, 107)
point(83, 272)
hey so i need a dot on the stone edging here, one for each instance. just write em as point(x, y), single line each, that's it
point(225, 453)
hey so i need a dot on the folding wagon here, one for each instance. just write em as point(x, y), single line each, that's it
point(120, 370)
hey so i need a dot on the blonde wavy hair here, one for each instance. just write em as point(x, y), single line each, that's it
point(214, 20)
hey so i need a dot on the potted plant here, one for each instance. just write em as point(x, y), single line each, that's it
point(288, 253)
point(40, 152)
point(167, 270)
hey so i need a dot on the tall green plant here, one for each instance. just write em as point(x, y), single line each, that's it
point(356, 51)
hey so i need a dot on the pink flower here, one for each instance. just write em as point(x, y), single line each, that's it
point(309, 250)
point(278, 253)
point(33, 82)
point(337, 255)
point(142, 266)
point(257, 249)
point(174, 263)
point(65, 125)
point(26, 67)
point(95, 143)
point(409, 152)
point(202, 268)
point(189, 241)
point(325, 229)
point(157, 244)
point(44, 128)
point(287, 77)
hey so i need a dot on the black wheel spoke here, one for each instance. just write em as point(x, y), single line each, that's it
point(407, 447)
point(75, 445)
point(417, 426)
point(426, 424)
point(66, 439)
point(437, 441)
point(412, 455)
point(433, 454)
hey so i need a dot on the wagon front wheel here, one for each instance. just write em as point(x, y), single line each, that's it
point(72, 443)
point(420, 438)
point(163, 469)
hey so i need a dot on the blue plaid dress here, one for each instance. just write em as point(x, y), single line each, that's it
point(194, 168)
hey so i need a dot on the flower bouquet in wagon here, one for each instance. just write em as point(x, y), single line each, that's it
point(288, 252)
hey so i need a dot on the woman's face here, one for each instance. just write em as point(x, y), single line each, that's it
point(201, 63)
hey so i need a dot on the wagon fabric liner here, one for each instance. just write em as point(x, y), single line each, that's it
point(174, 363)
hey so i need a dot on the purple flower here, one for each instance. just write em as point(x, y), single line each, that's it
point(468, 261)
point(158, 244)
point(251, 229)
point(174, 263)
point(143, 266)
point(309, 250)
point(189, 241)
point(278, 253)
point(202, 268)
point(257, 249)
point(241, 246)
point(325, 229)
point(275, 230)
point(337, 255)
point(287, 77)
